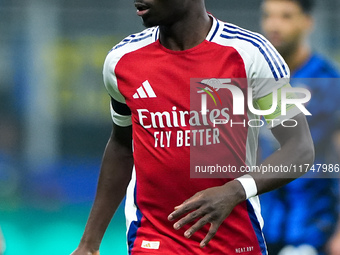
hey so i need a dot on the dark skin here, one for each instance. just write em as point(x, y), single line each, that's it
point(185, 24)
point(115, 174)
point(213, 205)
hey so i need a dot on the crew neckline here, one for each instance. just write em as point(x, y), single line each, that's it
point(208, 38)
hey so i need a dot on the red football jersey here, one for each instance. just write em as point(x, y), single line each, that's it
point(171, 137)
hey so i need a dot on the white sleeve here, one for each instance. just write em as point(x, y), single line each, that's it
point(119, 119)
point(110, 81)
point(268, 71)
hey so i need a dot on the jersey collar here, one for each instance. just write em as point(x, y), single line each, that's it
point(214, 28)
point(211, 35)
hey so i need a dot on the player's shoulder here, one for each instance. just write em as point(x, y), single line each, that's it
point(132, 43)
point(254, 48)
point(137, 40)
point(235, 36)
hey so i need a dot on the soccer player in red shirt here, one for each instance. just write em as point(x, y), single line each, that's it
point(154, 140)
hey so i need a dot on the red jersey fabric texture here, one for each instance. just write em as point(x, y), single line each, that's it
point(154, 83)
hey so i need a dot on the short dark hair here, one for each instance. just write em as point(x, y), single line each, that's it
point(307, 6)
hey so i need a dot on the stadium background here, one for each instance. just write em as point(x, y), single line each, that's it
point(54, 118)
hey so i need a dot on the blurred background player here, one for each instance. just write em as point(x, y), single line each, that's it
point(304, 213)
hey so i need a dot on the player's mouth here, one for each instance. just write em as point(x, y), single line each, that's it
point(142, 8)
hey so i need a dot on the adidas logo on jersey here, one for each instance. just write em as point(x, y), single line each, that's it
point(144, 91)
point(150, 245)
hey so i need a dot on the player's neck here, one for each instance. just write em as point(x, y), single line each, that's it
point(295, 59)
point(186, 33)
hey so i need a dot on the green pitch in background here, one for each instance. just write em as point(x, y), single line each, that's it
point(56, 232)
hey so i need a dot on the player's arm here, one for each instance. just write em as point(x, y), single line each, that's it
point(296, 145)
point(215, 204)
point(297, 149)
point(114, 177)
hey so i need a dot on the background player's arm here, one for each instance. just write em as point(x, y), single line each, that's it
point(334, 242)
point(115, 175)
point(333, 245)
point(215, 204)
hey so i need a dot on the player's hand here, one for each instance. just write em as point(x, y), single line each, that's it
point(84, 251)
point(212, 206)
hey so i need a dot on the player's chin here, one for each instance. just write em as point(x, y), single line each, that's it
point(150, 20)
point(149, 23)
